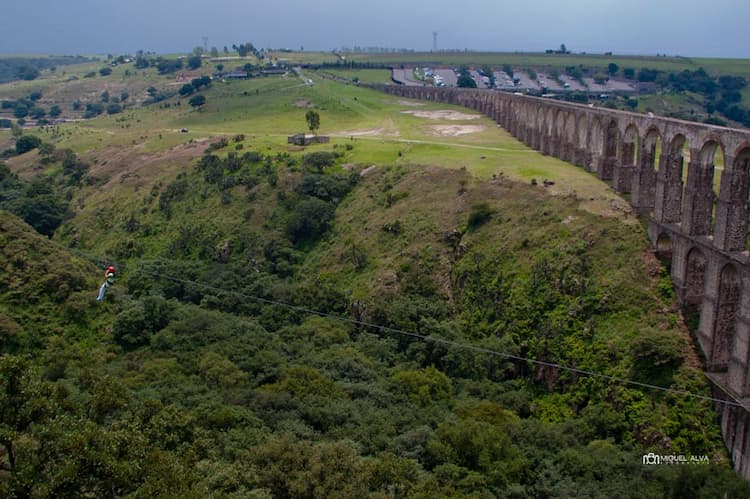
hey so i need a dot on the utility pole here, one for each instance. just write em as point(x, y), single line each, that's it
point(434, 41)
point(205, 44)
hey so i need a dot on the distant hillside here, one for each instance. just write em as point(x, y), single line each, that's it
point(27, 68)
point(44, 290)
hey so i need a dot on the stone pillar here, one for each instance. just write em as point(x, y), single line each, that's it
point(546, 145)
point(536, 139)
point(523, 132)
point(644, 182)
point(579, 156)
point(566, 153)
point(739, 354)
point(709, 308)
point(556, 148)
point(725, 321)
point(678, 269)
point(623, 172)
point(590, 162)
point(606, 167)
point(668, 202)
point(697, 207)
point(742, 447)
point(731, 210)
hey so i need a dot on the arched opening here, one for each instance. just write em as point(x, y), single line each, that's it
point(695, 282)
point(644, 176)
point(652, 150)
point(701, 190)
point(719, 167)
point(629, 155)
point(726, 316)
point(664, 250)
point(625, 166)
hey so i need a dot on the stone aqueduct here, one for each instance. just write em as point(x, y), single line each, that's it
point(697, 213)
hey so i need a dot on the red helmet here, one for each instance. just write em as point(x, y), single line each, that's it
point(111, 269)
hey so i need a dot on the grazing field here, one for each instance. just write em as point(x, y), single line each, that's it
point(382, 129)
point(739, 67)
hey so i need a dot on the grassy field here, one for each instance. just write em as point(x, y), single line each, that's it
point(363, 75)
point(740, 67)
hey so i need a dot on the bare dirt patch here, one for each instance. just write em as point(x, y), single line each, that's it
point(125, 166)
point(455, 130)
point(410, 103)
point(303, 103)
point(443, 115)
point(372, 132)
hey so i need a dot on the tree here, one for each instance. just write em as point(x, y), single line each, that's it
point(563, 49)
point(28, 73)
point(219, 68)
point(214, 52)
point(20, 111)
point(197, 101)
point(508, 70)
point(27, 143)
point(105, 71)
point(194, 62)
point(37, 113)
point(487, 71)
point(464, 78)
point(186, 89)
point(313, 120)
point(141, 62)
point(612, 68)
point(55, 111)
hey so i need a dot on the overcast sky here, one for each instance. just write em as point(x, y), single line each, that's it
point(717, 28)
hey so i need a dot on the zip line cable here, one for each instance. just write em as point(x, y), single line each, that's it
point(422, 337)
point(451, 343)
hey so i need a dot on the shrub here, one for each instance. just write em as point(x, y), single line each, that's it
point(309, 220)
point(134, 326)
point(26, 143)
point(479, 215)
point(317, 161)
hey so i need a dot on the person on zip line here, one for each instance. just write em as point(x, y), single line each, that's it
point(109, 279)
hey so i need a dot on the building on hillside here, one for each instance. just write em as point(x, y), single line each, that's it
point(302, 139)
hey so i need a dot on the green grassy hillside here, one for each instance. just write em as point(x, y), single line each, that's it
point(205, 373)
